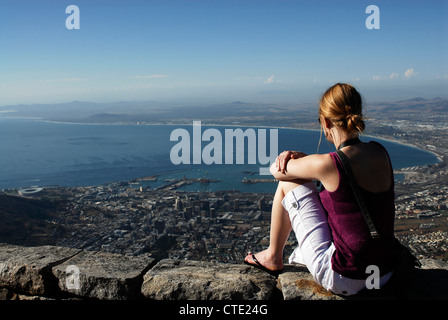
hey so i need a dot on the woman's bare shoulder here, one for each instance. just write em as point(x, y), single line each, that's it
point(323, 164)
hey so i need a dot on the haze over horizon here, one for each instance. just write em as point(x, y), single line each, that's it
point(199, 51)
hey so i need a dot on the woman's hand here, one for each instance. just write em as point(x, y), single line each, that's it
point(284, 157)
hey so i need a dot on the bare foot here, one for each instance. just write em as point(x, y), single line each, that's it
point(266, 260)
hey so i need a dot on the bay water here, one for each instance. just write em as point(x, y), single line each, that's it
point(40, 153)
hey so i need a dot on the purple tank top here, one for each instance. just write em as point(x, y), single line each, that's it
point(355, 249)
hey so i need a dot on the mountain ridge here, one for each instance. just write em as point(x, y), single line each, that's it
point(152, 112)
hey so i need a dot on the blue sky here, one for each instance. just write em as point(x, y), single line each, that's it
point(220, 50)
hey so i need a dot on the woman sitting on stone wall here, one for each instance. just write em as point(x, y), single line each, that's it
point(333, 238)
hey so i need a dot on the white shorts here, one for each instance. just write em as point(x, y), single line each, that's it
point(315, 243)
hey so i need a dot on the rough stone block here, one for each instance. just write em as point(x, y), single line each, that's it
point(100, 275)
point(197, 280)
point(27, 270)
point(296, 283)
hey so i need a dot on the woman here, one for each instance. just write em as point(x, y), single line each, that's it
point(333, 238)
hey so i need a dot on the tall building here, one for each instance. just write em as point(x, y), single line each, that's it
point(178, 205)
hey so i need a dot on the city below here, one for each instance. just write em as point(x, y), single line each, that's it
point(214, 226)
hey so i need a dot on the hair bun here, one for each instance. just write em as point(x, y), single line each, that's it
point(355, 122)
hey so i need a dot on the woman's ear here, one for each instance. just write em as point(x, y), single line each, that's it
point(327, 123)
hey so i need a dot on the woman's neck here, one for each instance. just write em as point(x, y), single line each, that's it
point(339, 136)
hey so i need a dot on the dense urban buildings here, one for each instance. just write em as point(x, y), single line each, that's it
point(213, 226)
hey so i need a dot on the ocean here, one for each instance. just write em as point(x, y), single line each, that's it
point(40, 153)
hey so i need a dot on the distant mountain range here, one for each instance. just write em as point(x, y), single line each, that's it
point(156, 112)
point(434, 105)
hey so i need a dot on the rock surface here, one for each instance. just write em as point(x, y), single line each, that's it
point(296, 283)
point(197, 280)
point(102, 275)
point(47, 272)
point(28, 269)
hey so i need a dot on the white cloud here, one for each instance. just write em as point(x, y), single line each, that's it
point(409, 73)
point(393, 75)
point(270, 79)
point(152, 76)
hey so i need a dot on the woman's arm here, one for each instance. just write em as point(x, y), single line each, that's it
point(316, 166)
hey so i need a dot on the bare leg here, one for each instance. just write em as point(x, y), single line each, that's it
point(272, 257)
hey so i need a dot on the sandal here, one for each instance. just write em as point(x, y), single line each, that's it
point(258, 265)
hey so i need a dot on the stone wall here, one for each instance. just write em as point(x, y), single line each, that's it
point(49, 272)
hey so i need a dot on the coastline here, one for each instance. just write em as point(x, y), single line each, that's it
point(407, 144)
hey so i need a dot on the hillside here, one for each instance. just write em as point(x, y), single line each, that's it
point(26, 221)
